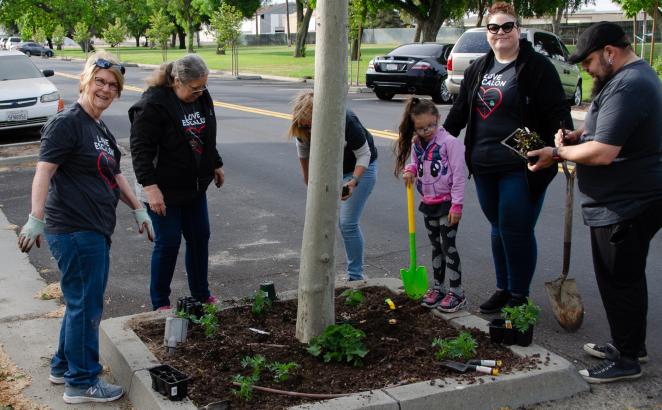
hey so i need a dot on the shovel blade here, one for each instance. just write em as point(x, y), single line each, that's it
point(566, 303)
point(415, 281)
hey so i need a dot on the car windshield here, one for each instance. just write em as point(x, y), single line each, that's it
point(417, 50)
point(17, 68)
point(472, 42)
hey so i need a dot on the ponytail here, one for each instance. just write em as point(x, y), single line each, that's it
point(406, 130)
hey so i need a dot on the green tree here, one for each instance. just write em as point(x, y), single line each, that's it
point(115, 34)
point(82, 35)
point(225, 25)
point(188, 14)
point(159, 32)
point(304, 13)
point(58, 36)
point(429, 14)
point(135, 14)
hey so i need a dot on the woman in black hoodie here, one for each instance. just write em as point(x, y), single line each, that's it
point(173, 148)
point(510, 87)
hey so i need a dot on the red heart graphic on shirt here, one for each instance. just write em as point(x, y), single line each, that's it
point(489, 99)
point(106, 167)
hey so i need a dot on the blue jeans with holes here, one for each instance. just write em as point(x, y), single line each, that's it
point(350, 215)
point(505, 200)
point(192, 221)
point(83, 258)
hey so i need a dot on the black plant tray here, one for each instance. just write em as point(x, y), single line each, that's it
point(512, 142)
point(169, 381)
point(190, 306)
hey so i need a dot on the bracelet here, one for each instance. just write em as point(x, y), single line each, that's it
point(356, 180)
point(555, 155)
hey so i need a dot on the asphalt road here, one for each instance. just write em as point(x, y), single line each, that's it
point(257, 221)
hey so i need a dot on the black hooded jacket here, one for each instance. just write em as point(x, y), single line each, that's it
point(542, 104)
point(160, 150)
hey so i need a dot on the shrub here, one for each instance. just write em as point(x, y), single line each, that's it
point(461, 347)
point(339, 343)
point(522, 316)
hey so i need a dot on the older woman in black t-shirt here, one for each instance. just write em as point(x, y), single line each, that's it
point(76, 189)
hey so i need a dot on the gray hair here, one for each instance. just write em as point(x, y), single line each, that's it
point(188, 68)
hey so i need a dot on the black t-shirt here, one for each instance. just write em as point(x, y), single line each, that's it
point(356, 135)
point(83, 192)
point(194, 125)
point(627, 113)
point(496, 104)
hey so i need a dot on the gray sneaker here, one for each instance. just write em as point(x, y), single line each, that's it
point(99, 393)
point(56, 379)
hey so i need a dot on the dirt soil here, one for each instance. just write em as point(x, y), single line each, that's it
point(400, 353)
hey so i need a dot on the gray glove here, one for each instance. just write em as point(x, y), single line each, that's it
point(31, 234)
point(144, 222)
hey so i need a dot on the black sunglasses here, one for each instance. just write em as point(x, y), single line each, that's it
point(101, 63)
point(506, 27)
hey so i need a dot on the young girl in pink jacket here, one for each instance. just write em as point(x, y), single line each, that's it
point(437, 168)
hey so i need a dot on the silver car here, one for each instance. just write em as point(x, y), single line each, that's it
point(472, 44)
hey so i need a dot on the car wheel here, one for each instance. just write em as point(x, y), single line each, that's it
point(383, 95)
point(442, 95)
point(49, 54)
point(577, 99)
point(27, 53)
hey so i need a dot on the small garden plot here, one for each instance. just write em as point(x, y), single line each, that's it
point(376, 343)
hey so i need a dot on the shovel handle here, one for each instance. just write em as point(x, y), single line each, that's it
point(567, 226)
point(410, 208)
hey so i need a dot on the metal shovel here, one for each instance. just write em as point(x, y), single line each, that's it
point(562, 292)
point(463, 368)
point(415, 279)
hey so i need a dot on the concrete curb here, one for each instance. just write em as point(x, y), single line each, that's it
point(21, 158)
point(128, 359)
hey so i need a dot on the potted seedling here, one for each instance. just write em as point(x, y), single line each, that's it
point(522, 141)
point(523, 318)
point(501, 331)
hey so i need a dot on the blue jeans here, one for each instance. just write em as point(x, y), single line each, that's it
point(191, 221)
point(350, 214)
point(505, 200)
point(83, 258)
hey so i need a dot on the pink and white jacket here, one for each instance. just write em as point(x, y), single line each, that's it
point(439, 169)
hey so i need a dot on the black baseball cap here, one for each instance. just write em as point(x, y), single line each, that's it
point(596, 37)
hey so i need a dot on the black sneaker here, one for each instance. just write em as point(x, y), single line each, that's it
point(517, 301)
point(613, 368)
point(598, 351)
point(494, 304)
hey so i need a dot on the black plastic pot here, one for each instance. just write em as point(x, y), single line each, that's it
point(190, 306)
point(524, 339)
point(169, 382)
point(499, 333)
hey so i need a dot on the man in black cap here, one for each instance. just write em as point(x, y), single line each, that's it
point(619, 171)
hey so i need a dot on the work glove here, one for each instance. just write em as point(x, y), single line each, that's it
point(31, 234)
point(144, 222)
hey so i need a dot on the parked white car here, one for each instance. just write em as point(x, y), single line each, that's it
point(27, 98)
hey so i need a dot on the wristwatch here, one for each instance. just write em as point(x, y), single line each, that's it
point(356, 180)
point(555, 155)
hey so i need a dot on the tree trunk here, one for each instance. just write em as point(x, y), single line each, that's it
point(287, 20)
point(479, 17)
point(429, 29)
point(181, 34)
point(302, 34)
point(417, 35)
point(556, 20)
point(190, 33)
point(317, 273)
point(173, 39)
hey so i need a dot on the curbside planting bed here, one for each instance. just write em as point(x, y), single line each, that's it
point(129, 360)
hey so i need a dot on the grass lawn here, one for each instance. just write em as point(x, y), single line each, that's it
point(268, 60)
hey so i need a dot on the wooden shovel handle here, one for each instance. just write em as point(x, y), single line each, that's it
point(567, 229)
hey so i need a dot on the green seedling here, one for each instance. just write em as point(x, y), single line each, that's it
point(339, 343)
point(461, 347)
point(282, 371)
point(257, 363)
point(528, 141)
point(245, 391)
point(208, 321)
point(523, 316)
point(261, 303)
point(353, 297)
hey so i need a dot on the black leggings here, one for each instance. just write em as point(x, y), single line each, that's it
point(444, 253)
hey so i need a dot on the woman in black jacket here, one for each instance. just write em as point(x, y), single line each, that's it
point(510, 87)
point(173, 147)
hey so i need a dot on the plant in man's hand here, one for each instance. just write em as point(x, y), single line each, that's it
point(353, 297)
point(528, 141)
point(461, 347)
point(261, 303)
point(522, 316)
point(282, 371)
point(339, 343)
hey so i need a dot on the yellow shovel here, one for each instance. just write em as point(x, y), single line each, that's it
point(415, 279)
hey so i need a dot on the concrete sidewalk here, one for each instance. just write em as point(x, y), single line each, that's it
point(29, 329)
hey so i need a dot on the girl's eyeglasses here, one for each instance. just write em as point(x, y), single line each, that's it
point(425, 130)
point(506, 27)
point(101, 63)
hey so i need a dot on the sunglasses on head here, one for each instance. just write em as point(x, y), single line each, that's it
point(506, 27)
point(101, 63)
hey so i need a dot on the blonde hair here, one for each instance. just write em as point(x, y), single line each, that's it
point(302, 111)
point(188, 68)
point(87, 76)
point(501, 7)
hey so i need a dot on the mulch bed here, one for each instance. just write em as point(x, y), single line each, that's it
point(399, 354)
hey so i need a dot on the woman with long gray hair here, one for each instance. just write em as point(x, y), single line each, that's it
point(173, 147)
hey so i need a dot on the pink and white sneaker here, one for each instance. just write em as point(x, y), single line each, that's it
point(452, 302)
point(432, 298)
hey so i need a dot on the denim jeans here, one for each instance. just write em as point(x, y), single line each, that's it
point(505, 200)
point(350, 215)
point(83, 259)
point(191, 221)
